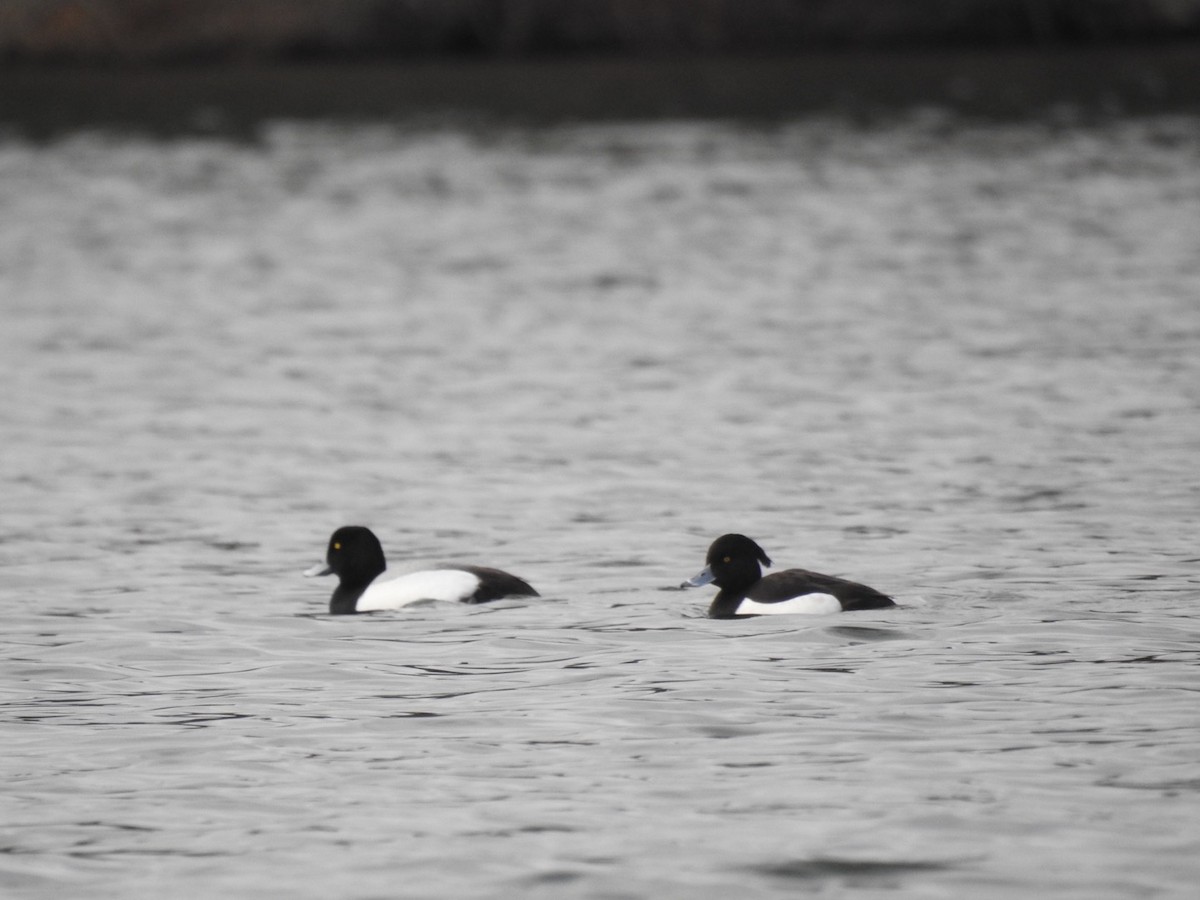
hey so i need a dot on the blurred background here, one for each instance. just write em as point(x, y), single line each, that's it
point(225, 65)
point(188, 30)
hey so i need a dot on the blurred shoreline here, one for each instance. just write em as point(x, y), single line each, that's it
point(222, 31)
point(1064, 84)
point(226, 66)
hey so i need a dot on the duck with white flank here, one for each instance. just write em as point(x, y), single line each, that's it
point(356, 557)
point(733, 566)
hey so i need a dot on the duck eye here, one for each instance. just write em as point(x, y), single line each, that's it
point(729, 559)
point(337, 546)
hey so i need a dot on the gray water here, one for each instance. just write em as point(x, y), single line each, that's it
point(957, 362)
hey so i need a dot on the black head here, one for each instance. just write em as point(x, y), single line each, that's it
point(356, 557)
point(734, 561)
point(355, 554)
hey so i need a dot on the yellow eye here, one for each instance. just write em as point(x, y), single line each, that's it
point(729, 559)
point(337, 546)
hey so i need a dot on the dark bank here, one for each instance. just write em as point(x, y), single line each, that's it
point(178, 67)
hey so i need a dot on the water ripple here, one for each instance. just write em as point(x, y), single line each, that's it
point(953, 361)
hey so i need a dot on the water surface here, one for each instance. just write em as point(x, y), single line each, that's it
point(954, 361)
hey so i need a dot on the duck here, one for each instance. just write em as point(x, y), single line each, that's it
point(355, 555)
point(733, 565)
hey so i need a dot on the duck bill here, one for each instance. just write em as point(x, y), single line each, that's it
point(701, 578)
point(318, 569)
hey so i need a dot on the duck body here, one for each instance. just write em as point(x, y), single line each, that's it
point(734, 565)
point(356, 557)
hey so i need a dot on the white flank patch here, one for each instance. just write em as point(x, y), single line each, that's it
point(804, 605)
point(451, 585)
